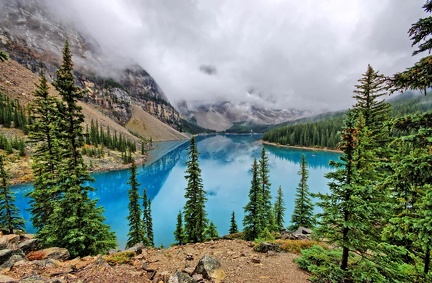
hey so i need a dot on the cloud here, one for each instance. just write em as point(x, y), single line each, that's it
point(208, 69)
point(301, 54)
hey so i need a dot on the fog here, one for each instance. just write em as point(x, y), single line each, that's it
point(281, 54)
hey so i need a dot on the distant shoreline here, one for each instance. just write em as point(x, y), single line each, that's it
point(301, 147)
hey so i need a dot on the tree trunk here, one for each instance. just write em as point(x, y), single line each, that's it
point(427, 261)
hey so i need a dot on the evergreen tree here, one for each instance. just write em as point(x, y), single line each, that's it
point(9, 213)
point(375, 111)
point(303, 208)
point(233, 224)
point(418, 76)
point(409, 183)
point(179, 232)
point(44, 135)
point(3, 56)
point(252, 222)
point(279, 209)
point(136, 229)
point(212, 232)
point(147, 219)
point(195, 216)
point(76, 222)
point(265, 186)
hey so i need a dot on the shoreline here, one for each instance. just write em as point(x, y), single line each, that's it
point(301, 147)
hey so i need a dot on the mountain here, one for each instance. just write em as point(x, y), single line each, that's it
point(236, 116)
point(34, 37)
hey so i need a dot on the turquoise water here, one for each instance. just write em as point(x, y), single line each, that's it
point(225, 161)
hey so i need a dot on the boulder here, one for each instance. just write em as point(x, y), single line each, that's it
point(7, 279)
point(15, 257)
point(302, 231)
point(265, 247)
point(210, 268)
point(181, 277)
point(9, 241)
point(28, 245)
point(54, 253)
point(137, 248)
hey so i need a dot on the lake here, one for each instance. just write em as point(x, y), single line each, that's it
point(225, 162)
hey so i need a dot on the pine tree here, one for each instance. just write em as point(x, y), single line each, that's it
point(76, 222)
point(179, 232)
point(195, 216)
point(279, 209)
point(211, 231)
point(303, 207)
point(233, 224)
point(252, 221)
point(44, 135)
point(136, 229)
point(9, 213)
point(147, 220)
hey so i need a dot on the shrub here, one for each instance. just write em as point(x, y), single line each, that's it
point(119, 258)
point(296, 246)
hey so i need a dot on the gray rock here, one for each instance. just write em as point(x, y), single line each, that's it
point(28, 245)
point(15, 257)
point(54, 253)
point(181, 277)
point(137, 248)
point(302, 231)
point(265, 247)
point(5, 255)
point(33, 279)
point(210, 268)
point(7, 279)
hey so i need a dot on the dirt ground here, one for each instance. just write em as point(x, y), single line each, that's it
point(240, 263)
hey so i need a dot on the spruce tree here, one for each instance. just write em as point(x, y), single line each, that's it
point(136, 229)
point(9, 213)
point(233, 224)
point(179, 231)
point(147, 220)
point(195, 215)
point(44, 135)
point(76, 222)
point(303, 207)
point(279, 209)
point(410, 223)
point(211, 231)
point(268, 221)
point(254, 212)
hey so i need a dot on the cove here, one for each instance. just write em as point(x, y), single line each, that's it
point(225, 162)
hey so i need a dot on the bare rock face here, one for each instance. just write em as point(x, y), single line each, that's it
point(54, 253)
point(34, 37)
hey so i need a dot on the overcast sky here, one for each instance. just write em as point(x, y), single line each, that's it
point(301, 54)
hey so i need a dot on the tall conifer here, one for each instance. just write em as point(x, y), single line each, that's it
point(179, 231)
point(147, 220)
point(44, 135)
point(303, 206)
point(195, 215)
point(9, 213)
point(233, 224)
point(279, 209)
point(252, 221)
point(76, 222)
point(136, 229)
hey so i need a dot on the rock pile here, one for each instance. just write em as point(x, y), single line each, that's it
point(208, 269)
point(301, 233)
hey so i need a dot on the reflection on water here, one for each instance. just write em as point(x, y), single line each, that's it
point(225, 161)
